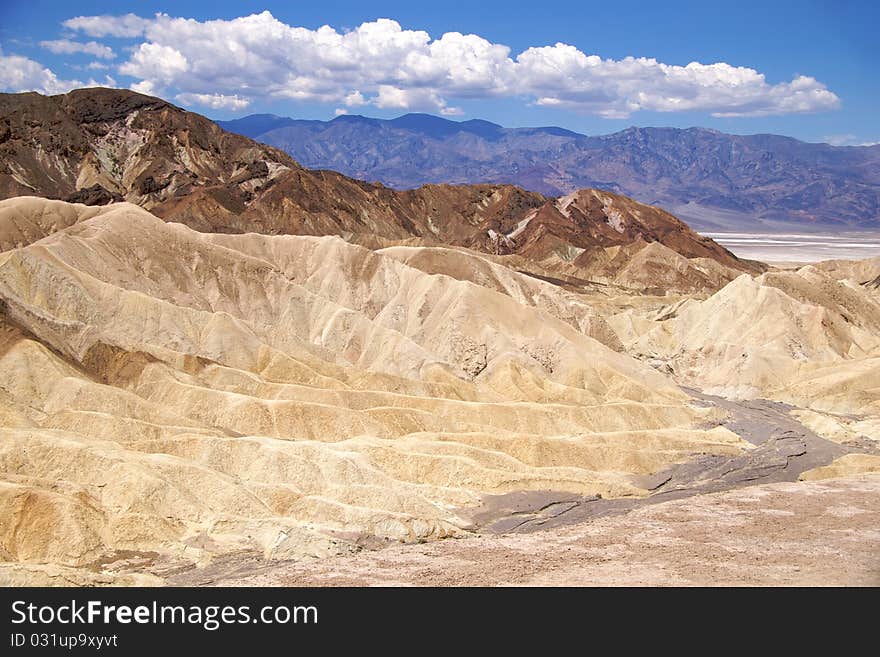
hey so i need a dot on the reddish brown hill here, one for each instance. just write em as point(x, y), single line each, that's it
point(612, 219)
point(98, 145)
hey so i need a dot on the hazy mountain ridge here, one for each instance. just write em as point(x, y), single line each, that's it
point(697, 172)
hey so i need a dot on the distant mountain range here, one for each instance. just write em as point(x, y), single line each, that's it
point(712, 179)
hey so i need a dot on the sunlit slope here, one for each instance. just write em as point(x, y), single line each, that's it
point(802, 336)
point(169, 395)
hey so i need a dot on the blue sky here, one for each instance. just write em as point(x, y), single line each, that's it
point(805, 69)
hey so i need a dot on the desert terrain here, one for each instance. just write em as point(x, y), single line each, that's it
point(804, 534)
point(219, 367)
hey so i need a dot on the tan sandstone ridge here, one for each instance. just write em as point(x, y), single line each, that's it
point(808, 337)
point(168, 395)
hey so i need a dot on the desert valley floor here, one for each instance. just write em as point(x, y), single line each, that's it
point(800, 248)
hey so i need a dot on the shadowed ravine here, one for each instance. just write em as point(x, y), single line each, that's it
point(784, 450)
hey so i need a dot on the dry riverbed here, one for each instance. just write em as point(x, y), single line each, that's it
point(801, 533)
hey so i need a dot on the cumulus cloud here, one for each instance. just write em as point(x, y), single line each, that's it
point(563, 76)
point(22, 74)
point(215, 101)
point(381, 64)
point(392, 97)
point(355, 99)
point(68, 47)
point(19, 74)
point(128, 25)
point(157, 63)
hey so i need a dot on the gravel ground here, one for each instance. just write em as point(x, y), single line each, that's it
point(799, 533)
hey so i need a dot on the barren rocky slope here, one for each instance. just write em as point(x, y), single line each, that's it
point(801, 336)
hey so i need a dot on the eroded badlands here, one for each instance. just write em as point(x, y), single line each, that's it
point(170, 398)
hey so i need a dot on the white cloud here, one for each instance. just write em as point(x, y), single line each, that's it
point(97, 66)
point(840, 140)
point(18, 74)
point(258, 56)
point(128, 25)
point(108, 81)
point(214, 101)
point(563, 76)
point(390, 97)
point(340, 111)
point(68, 47)
point(466, 65)
point(22, 74)
point(144, 87)
point(847, 140)
point(355, 99)
point(157, 63)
